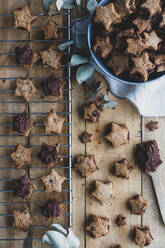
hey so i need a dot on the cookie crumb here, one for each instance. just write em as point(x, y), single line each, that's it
point(121, 220)
point(85, 137)
point(152, 125)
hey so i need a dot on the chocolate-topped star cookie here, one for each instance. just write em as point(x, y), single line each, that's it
point(97, 226)
point(52, 208)
point(52, 86)
point(22, 123)
point(22, 156)
point(51, 57)
point(102, 47)
point(54, 123)
point(103, 192)
point(118, 134)
point(49, 154)
point(86, 164)
point(91, 112)
point(23, 18)
point(25, 56)
point(53, 182)
point(123, 168)
point(25, 88)
point(50, 30)
point(153, 6)
point(23, 187)
point(143, 236)
point(22, 219)
point(107, 16)
point(118, 62)
point(138, 205)
point(143, 66)
point(152, 40)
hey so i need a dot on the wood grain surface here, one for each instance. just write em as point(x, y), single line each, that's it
point(83, 203)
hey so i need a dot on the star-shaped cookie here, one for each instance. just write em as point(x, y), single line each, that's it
point(123, 168)
point(102, 47)
point(51, 57)
point(97, 226)
point(124, 7)
point(103, 191)
point(91, 112)
point(162, 23)
point(119, 134)
point(143, 236)
point(22, 156)
point(135, 46)
point(86, 164)
point(160, 62)
point(118, 62)
point(142, 24)
point(143, 66)
point(25, 88)
point(138, 205)
point(50, 30)
point(22, 219)
point(52, 86)
point(23, 18)
point(54, 123)
point(153, 6)
point(152, 40)
point(107, 16)
point(53, 182)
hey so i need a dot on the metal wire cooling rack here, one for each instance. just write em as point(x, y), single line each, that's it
point(67, 156)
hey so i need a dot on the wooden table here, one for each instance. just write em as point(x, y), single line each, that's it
point(83, 203)
point(139, 183)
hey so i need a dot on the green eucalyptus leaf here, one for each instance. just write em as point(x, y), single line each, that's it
point(84, 72)
point(68, 4)
point(106, 98)
point(65, 45)
point(91, 5)
point(90, 81)
point(59, 228)
point(77, 59)
point(59, 4)
point(110, 104)
point(46, 5)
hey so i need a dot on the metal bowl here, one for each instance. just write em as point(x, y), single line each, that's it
point(99, 62)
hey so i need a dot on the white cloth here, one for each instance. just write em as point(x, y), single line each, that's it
point(148, 99)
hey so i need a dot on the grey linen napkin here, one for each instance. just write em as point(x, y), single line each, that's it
point(148, 99)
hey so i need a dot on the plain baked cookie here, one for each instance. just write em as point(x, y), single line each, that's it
point(143, 236)
point(54, 123)
point(86, 164)
point(97, 226)
point(53, 181)
point(51, 57)
point(118, 134)
point(123, 169)
point(138, 205)
point(91, 112)
point(22, 219)
point(103, 192)
point(25, 88)
point(22, 156)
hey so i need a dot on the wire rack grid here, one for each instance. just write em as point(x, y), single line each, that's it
point(68, 135)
